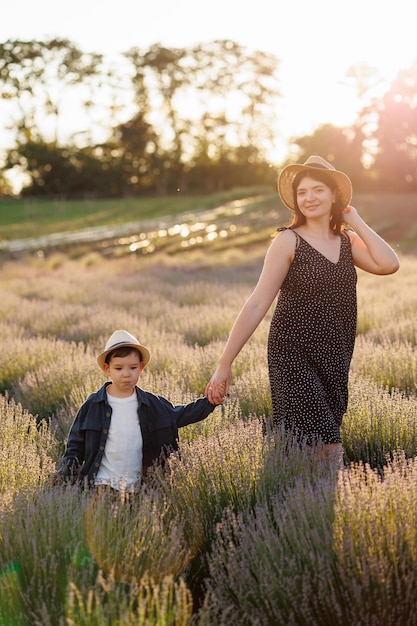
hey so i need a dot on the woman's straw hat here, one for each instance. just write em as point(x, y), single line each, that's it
point(123, 339)
point(286, 179)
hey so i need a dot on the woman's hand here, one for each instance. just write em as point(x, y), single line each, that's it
point(218, 387)
point(370, 252)
point(350, 215)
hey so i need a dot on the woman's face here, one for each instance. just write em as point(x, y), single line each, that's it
point(314, 198)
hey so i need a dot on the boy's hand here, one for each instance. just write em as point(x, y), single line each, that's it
point(216, 402)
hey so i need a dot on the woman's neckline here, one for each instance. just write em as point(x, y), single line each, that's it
point(320, 252)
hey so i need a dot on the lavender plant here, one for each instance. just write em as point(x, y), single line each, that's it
point(244, 525)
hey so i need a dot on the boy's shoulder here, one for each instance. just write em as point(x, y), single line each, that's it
point(96, 396)
point(149, 397)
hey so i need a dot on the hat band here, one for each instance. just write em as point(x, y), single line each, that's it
point(119, 343)
point(319, 165)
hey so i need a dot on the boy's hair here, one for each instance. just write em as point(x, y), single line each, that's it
point(122, 352)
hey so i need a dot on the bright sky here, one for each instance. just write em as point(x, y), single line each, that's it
point(316, 41)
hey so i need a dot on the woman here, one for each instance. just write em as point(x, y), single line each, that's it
point(312, 333)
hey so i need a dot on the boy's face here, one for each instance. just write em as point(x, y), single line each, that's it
point(124, 373)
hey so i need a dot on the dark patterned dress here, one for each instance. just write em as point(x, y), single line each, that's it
point(311, 341)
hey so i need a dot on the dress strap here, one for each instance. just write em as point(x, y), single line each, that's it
point(297, 236)
point(345, 235)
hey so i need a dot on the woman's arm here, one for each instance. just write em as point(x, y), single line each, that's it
point(370, 252)
point(276, 265)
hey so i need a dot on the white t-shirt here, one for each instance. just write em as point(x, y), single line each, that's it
point(121, 466)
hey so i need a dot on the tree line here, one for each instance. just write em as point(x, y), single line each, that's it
point(202, 118)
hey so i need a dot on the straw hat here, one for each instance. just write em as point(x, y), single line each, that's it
point(286, 179)
point(122, 339)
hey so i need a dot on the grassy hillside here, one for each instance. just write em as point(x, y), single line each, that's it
point(35, 217)
point(178, 223)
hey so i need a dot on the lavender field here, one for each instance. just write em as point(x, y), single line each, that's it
point(244, 527)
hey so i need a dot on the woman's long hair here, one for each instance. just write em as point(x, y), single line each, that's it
point(336, 215)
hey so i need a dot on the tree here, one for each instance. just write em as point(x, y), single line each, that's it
point(38, 76)
point(68, 171)
point(207, 101)
point(138, 155)
point(211, 105)
point(6, 188)
point(395, 134)
point(343, 147)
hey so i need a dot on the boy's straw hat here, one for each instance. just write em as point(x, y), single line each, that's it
point(123, 339)
point(286, 179)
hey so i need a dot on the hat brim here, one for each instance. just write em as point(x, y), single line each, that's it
point(101, 359)
point(286, 179)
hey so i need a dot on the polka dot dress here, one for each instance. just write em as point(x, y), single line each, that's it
point(311, 341)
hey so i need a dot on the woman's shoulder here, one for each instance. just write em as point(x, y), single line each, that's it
point(284, 244)
point(287, 236)
point(286, 231)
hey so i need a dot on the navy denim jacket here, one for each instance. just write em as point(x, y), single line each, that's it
point(159, 423)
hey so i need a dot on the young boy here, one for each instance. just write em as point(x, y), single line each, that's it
point(121, 430)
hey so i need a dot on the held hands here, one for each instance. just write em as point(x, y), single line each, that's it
point(218, 387)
